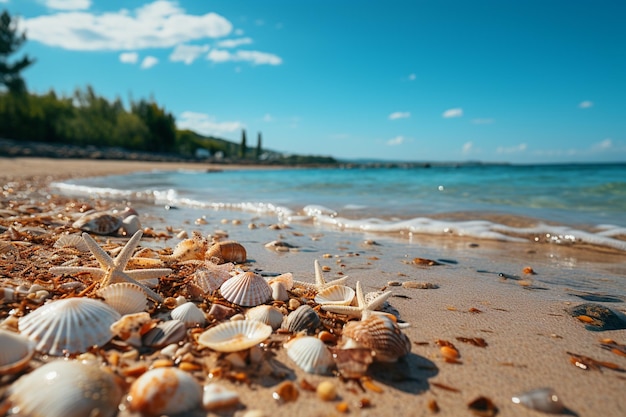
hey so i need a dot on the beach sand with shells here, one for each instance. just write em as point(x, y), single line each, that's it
point(503, 306)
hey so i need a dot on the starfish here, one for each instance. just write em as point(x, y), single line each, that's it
point(363, 309)
point(320, 282)
point(112, 270)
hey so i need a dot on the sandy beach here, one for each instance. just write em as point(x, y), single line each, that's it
point(503, 306)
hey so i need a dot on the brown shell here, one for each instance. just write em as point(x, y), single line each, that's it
point(229, 251)
point(381, 334)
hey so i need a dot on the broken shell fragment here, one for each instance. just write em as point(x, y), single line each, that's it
point(15, 353)
point(353, 363)
point(131, 327)
point(246, 289)
point(234, 336)
point(541, 399)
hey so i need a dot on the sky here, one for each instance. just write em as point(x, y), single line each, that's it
point(530, 81)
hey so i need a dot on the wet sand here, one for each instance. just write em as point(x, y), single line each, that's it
point(482, 292)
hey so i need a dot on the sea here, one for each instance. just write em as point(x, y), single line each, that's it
point(559, 203)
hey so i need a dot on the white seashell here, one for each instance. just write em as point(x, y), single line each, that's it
point(542, 399)
point(285, 279)
point(64, 388)
point(100, 223)
point(279, 292)
point(246, 289)
point(379, 333)
point(234, 336)
point(130, 327)
point(131, 225)
point(164, 333)
point(73, 242)
point(335, 295)
point(303, 318)
point(211, 276)
point(269, 315)
point(15, 353)
point(310, 354)
point(164, 391)
point(190, 314)
point(216, 396)
point(124, 297)
point(70, 325)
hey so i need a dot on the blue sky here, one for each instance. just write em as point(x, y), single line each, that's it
point(518, 81)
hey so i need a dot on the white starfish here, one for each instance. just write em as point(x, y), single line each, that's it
point(363, 309)
point(320, 282)
point(112, 270)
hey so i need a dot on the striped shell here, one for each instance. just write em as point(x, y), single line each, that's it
point(310, 354)
point(269, 315)
point(165, 333)
point(190, 314)
point(303, 318)
point(64, 388)
point(234, 336)
point(124, 297)
point(165, 390)
point(15, 353)
point(70, 325)
point(379, 333)
point(229, 251)
point(99, 223)
point(246, 289)
point(335, 295)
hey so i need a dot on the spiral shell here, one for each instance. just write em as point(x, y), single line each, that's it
point(190, 314)
point(70, 325)
point(15, 353)
point(234, 336)
point(124, 297)
point(267, 315)
point(335, 295)
point(310, 354)
point(303, 318)
point(229, 251)
point(379, 333)
point(246, 289)
point(100, 223)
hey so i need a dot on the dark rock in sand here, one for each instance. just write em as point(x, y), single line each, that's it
point(598, 317)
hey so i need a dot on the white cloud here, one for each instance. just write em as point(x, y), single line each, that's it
point(604, 145)
point(399, 115)
point(233, 43)
point(254, 57)
point(160, 24)
point(398, 140)
point(512, 149)
point(483, 121)
point(129, 57)
point(468, 147)
point(412, 77)
point(188, 53)
point(585, 104)
point(149, 62)
point(219, 55)
point(206, 124)
point(68, 4)
point(456, 112)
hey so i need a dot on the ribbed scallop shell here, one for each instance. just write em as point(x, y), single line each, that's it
point(211, 276)
point(246, 289)
point(99, 223)
point(15, 353)
point(335, 295)
point(269, 315)
point(70, 325)
point(303, 318)
point(379, 333)
point(164, 391)
point(229, 251)
point(310, 354)
point(66, 389)
point(72, 241)
point(190, 314)
point(234, 336)
point(124, 297)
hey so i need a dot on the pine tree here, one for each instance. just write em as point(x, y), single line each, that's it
point(258, 146)
point(10, 42)
point(242, 148)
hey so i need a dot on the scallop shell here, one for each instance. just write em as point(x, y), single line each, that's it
point(99, 223)
point(246, 289)
point(310, 354)
point(303, 318)
point(234, 336)
point(165, 390)
point(335, 295)
point(541, 399)
point(190, 314)
point(285, 279)
point(72, 241)
point(70, 325)
point(279, 292)
point(269, 315)
point(229, 251)
point(64, 388)
point(379, 333)
point(211, 276)
point(15, 353)
point(124, 297)
point(165, 333)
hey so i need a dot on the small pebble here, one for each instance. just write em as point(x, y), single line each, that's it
point(327, 391)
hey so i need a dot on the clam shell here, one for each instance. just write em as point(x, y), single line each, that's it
point(279, 292)
point(229, 251)
point(70, 325)
point(379, 333)
point(65, 389)
point(285, 279)
point(303, 318)
point(99, 223)
point(165, 390)
point(269, 315)
point(124, 297)
point(190, 314)
point(541, 399)
point(15, 353)
point(335, 295)
point(234, 336)
point(310, 354)
point(165, 333)
point(246, 289)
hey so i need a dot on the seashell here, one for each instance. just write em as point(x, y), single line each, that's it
point(211, 276)
point(279, 292)
point(64, 388)
point(353, 363)
point(165, 390)
point(189, 249)
point(73, 242)
point(15, 353)
point(100, 223)
point(335, 295)
point(131, 327)
point(541, 399)
point(131, 225)
point(310, 354)
point(190, 314)
point(246, 289)
point(124, 297)
point(269, 315)
point(229, 251)
point(219, 312)
point(303, 318)
point(234, 336)
point(216, 396)
point(285, 279)
point(379, 333)
point(164, 333)
point(70, 325)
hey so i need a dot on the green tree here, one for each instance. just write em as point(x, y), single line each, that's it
point(258, 146)
point(10, 42)
point(243, 147)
